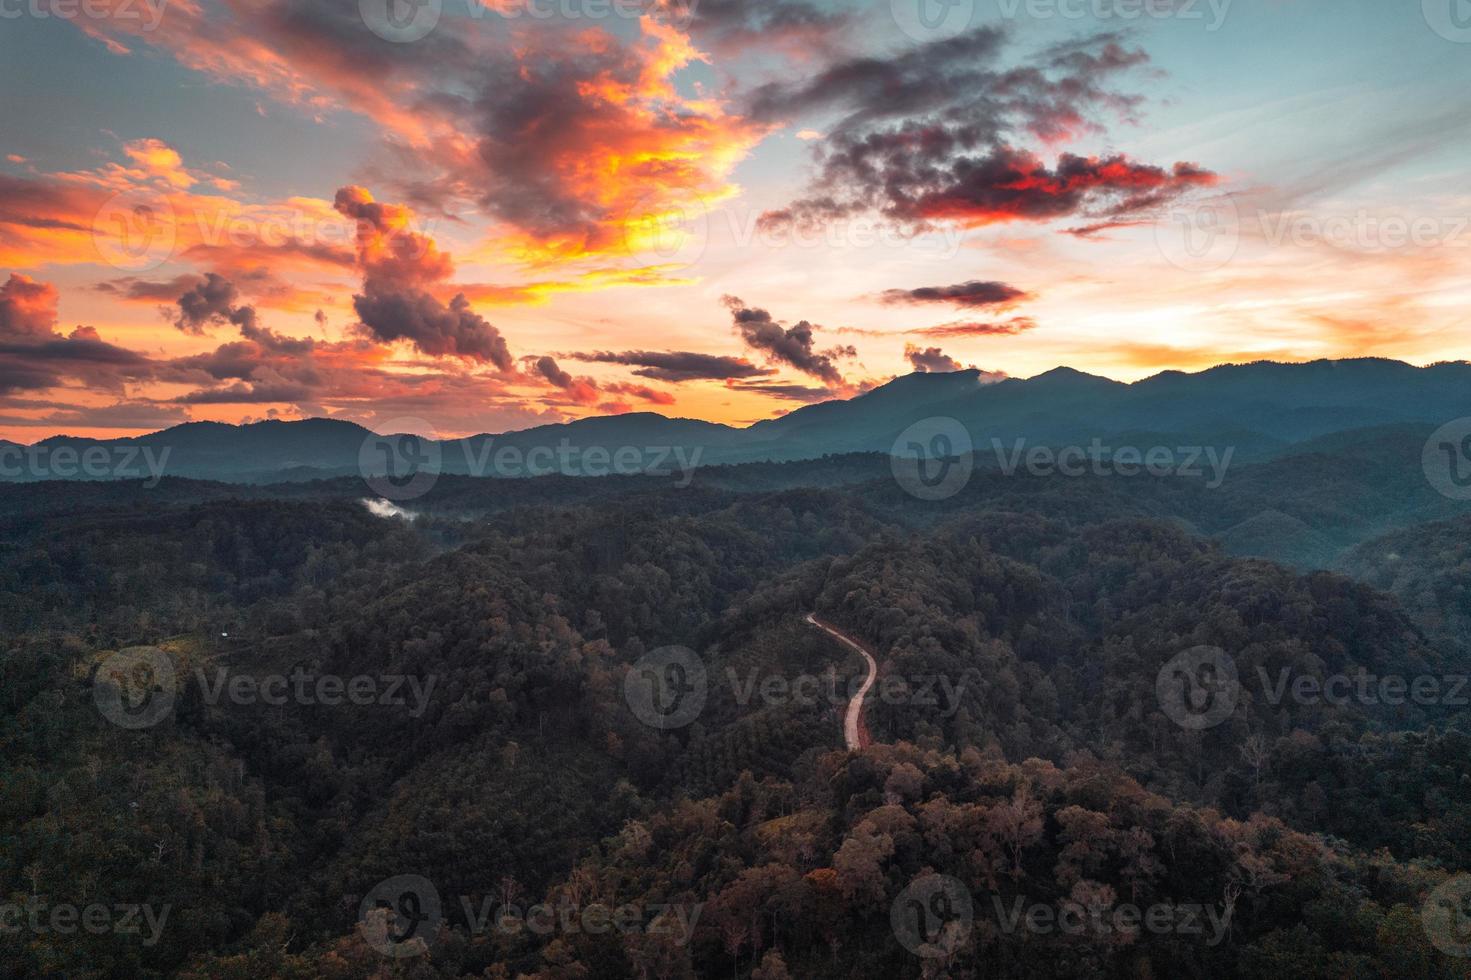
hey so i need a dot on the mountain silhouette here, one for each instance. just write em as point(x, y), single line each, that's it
point(1258, 408)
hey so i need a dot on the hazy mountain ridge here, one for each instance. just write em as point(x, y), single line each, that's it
point(1260, 409)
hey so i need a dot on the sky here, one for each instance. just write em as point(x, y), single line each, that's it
point(466, 216)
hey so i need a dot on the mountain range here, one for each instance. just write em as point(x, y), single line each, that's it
point(1259, 409)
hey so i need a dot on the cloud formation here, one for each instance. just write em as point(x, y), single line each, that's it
point(34, 356)
point(791, 346)
point(398, 266)
point(937, 133)
point(677, 366)
point(211, 301)
point(973, 294)
point(931, 360)
point(979, 328)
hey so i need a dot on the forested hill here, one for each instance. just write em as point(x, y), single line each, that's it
point(1024, 748)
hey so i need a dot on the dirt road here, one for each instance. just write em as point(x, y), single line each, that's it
point(854, 732)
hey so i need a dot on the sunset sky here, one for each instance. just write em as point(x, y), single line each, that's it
point(545, 209)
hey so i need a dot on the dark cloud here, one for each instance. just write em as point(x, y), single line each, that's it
point(643, 392)
point(398, 266)
point(677, 366)
point(243, 394)
point(211, 302)
point(998, 328)
point(438, 330)
point(931, 360)
point(547, 368)
point(937, 134)
point(27, 307)
point(582, 391)
point(34, 356)
point(791, 346)
point(787, 392)
point(975, 293)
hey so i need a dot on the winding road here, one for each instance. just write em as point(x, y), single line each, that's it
point(854, 732)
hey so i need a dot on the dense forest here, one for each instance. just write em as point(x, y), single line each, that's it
point(473, 791)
